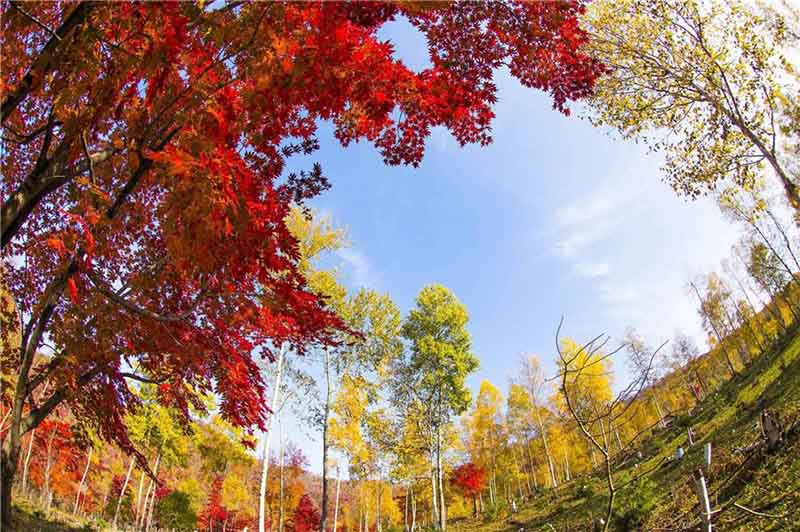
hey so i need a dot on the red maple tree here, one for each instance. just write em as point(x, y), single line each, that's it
point(470, 479)
point(306, 516)
point(144, 186)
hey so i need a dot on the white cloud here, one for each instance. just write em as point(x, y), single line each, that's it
point(592, 269)
point(636, 244)
point(359, 269)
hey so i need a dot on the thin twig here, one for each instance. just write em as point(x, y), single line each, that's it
point(760, 514)
point(35, 20)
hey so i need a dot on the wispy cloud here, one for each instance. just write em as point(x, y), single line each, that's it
point(358, 268)
point(583, 228)
point(592, 270)
point(636, 244)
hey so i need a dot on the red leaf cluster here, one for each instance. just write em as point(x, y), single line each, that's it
point(306, 515)
point(150, 149)
point(469, 478)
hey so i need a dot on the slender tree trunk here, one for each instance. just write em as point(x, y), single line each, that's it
point(379, 493)
point(750, 305)
point(784, 236)
point(547, 454)
point(532, 464)
point(609, 479)
point(122, 494)
point(520, 460)
point(139, 496)
point(140, 517)
point(434, 496)
point(141, 513)
point(442, 505)
point(792, 278)
point(659, 413)
point(360, 507)
point(413, 511)
point(325, 421)
point(336, 504)
point(83, 479)
point(48, 493)
point(616, 429)
point(280, 496)
point(27, 462)
point(405, 511)
point(153, 496)
point(722, 348)
point(262, 494)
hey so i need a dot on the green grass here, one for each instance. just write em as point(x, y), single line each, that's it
point(763, 482)
point(29, 518)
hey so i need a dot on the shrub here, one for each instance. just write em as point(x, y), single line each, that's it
point(494, 512)
point(585, 491)
point(639, 506)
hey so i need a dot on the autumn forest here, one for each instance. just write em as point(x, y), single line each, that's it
point(182, 348)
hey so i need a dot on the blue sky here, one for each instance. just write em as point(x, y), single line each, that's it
point(555, 217)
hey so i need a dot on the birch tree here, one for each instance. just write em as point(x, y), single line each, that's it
point(706, 82)
point(433, 372)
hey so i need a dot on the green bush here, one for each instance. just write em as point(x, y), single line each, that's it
point(638, 506)
point(585, 491)
point(175, 512)
point(494, 512)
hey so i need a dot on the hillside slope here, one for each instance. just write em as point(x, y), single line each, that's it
point(742, 473)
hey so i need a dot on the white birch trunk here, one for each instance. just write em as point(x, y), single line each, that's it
point(336, 504)
point(262, 494)
point(153, 496)
point(122, 494)
point(83, 479)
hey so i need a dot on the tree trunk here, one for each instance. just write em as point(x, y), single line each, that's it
point(153, 496)
point(140, 517)
point(280, 495)
point(413, 511)
point(48, 495)
point(405, 511)
point(325, 421)
point(83, 479)
point(434, 496)
point(547, 454)
point(262, 493)
point(336, 504)
point(122, 494)
point(442, 506)
point(731, 368)
point(27, 462)
point(611, 493)
point(532, 465)
point(139, 496)
point(379, 491)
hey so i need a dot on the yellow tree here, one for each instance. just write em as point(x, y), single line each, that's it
point(532, 379)
point(485, 431)
point(520, 426)
point(410, 463)
point(433, 372)
point(705, 81)
point(584, 374)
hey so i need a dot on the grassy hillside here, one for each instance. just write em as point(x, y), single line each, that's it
point(664, 499)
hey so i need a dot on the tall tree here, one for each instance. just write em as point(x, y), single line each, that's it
point(433, 372)
point(640, 357)
point(704, 81)
point(485, 432)
point(532, 378)
point(584, 373)
point(142, 187)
